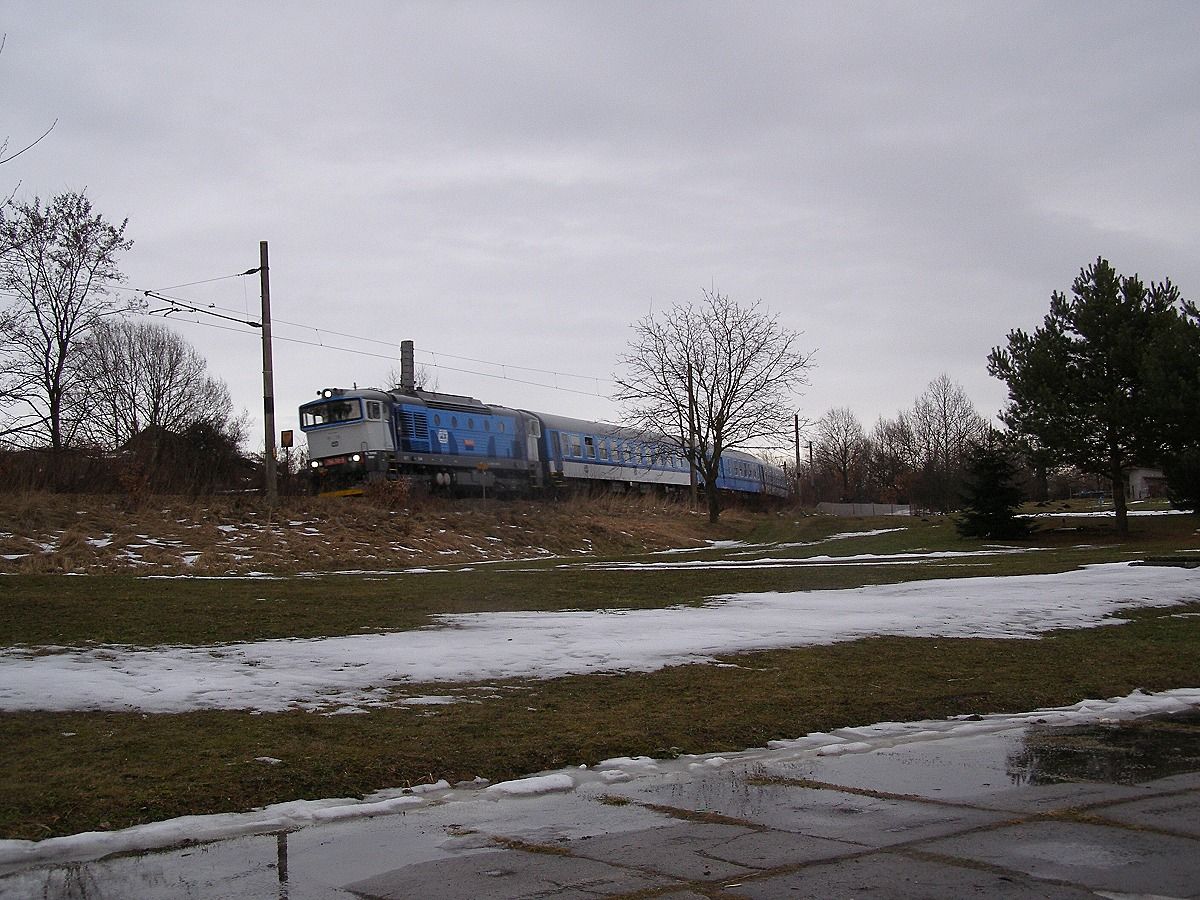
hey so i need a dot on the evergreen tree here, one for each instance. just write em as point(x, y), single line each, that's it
point(1183, 479)
point(1110, 380)
point(990, 493)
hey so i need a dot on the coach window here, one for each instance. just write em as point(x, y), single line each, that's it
point(471, 423)
point(500, 427)
point(603, 449)
point(487, 424)
point(576, 447)
point(589, 445)
point(454, 421)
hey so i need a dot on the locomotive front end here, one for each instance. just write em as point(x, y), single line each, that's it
point(350, 438)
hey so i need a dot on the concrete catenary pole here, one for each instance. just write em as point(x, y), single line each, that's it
point(797, 473)
point(268, 378)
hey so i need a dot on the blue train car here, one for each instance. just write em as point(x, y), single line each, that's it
point(576, 450)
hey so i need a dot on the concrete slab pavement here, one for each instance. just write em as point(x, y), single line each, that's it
point(1004, 814)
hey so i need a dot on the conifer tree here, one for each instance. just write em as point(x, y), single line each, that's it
point(990, 493)
point(1112, 378)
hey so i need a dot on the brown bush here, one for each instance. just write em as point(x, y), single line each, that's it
point(389, 493)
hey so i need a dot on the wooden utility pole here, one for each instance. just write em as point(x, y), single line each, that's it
point(264, 277)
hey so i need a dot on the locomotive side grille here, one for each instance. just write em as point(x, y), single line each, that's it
point(414, 431)
point(419, 426)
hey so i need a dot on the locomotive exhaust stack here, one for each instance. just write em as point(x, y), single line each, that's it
point(408, 369)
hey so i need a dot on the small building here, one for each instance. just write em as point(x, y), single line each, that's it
point(1145, 484)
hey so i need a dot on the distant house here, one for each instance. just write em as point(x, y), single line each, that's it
point(1145, 484)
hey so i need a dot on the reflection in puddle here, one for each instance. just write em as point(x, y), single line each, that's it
point(1119, 753)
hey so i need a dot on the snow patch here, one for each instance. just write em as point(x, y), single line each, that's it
point(364, 669)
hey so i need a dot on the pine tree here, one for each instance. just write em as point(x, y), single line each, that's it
point(990, 494)
point(1183, 479)
point(1112, 378)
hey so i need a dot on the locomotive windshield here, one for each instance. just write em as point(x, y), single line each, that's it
point(329, 412)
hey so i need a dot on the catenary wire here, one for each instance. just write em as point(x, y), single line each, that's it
point(392, 358)
point(433, 353)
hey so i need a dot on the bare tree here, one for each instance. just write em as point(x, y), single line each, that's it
point(423, 377)
point(742, 367)
point(144, 376)
point(891, 459)
point(944, 424)
point(841, 448)
point(59, 260)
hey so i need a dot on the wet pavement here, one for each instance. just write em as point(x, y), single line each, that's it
point(1015, 808)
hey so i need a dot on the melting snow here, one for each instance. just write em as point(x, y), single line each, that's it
point(327, 673)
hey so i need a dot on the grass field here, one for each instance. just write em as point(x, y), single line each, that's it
point(67, 772)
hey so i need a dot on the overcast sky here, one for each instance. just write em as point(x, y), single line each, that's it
point(518, 182)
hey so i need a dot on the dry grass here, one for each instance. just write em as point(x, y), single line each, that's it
point(52, 533)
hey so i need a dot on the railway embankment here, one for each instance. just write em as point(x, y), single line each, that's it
point(44, 533)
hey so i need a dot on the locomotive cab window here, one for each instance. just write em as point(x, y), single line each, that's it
point(374, 409)
point(330, 412)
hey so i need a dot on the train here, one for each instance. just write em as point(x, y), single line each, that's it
point(457, 444)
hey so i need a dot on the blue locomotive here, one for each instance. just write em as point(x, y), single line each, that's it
point(457, 443)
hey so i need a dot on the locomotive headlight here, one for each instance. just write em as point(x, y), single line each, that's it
point(357, 457)
point(315, 464)
point(327, 393)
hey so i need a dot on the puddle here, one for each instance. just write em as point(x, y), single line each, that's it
point(1116, 753)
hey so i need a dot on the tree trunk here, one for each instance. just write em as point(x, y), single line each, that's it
point(711, 472)
point(55, 411)
point(1117, 476)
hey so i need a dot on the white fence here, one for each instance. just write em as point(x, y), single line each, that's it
point(864, 509)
